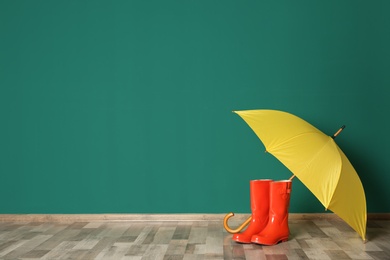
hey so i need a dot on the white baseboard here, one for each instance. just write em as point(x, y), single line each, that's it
point(240, 217)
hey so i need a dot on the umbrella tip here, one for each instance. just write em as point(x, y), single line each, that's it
point(338, 132)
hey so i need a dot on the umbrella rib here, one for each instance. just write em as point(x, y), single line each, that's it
point(292, 138)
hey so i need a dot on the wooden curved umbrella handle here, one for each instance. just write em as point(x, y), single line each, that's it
point(233, 231)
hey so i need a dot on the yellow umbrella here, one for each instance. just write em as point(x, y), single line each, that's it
point(315, 159)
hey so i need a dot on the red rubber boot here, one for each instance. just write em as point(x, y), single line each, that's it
point(259, 198)
point(277, 228)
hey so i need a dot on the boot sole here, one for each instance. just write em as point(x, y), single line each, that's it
point(266, 243)
point(242, 242)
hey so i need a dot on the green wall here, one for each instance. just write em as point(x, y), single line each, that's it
point(125, 106)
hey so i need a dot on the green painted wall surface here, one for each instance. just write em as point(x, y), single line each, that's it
point(125, 106)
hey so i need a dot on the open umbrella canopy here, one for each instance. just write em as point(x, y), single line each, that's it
point(315, 159)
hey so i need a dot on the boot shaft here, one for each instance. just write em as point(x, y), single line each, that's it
point(280, 197)
point(260, 195)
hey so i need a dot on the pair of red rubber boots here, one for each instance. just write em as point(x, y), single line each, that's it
point(269, 204)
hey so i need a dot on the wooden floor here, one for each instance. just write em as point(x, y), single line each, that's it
point(309, 239)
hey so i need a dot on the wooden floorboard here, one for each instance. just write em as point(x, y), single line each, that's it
point(315, 238)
